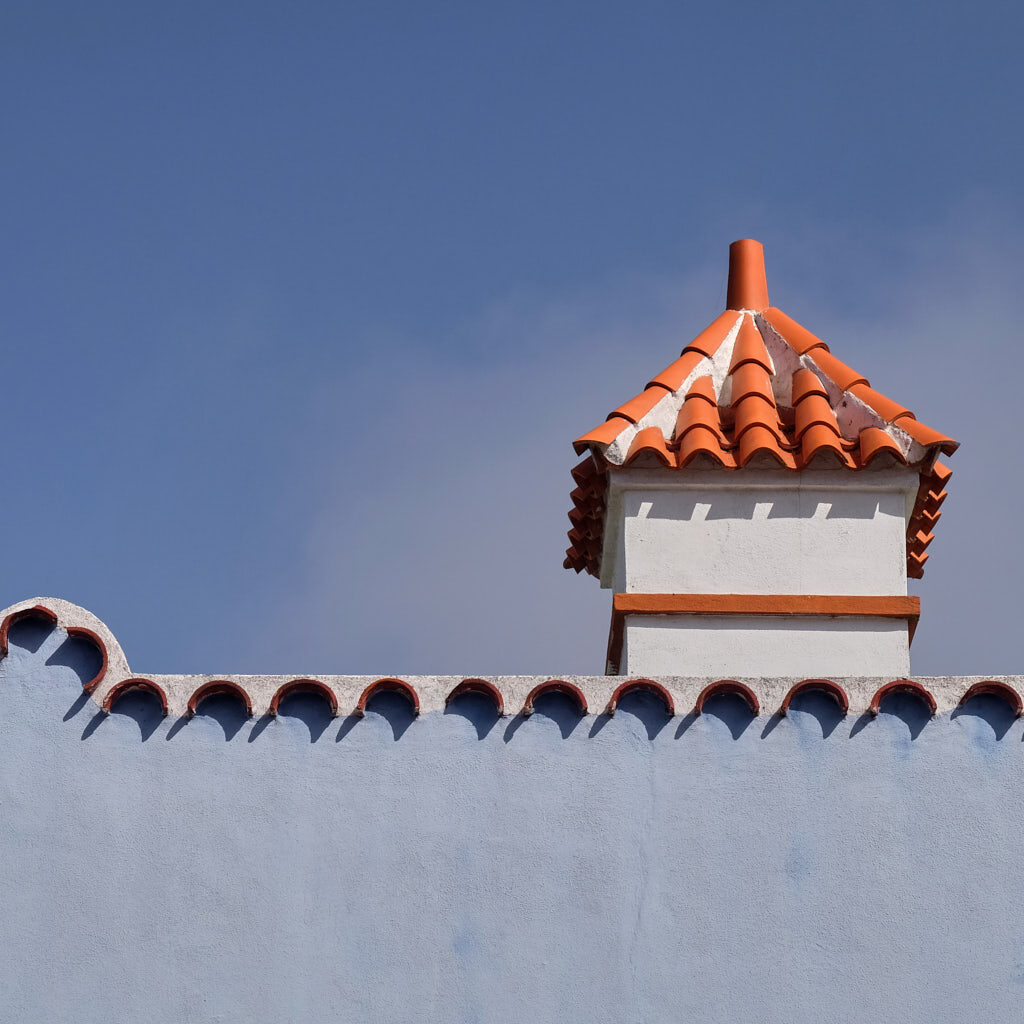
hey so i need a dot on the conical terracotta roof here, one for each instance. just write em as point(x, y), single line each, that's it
point(757, 389)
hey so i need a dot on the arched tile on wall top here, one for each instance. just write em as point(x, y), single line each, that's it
point(313, 686)
point(76, 622)
point(731, 687)
point(388, 686)
point(994, 688)
point(116, 692)
point(555, 686)
point(902, 686)
point(217, 687)
point(642, 686)
point(481, 686)
point(834, 690)
point(35, 611)
point(92, 637)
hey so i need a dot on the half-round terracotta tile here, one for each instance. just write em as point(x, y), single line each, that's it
point(759, 440)
point(751, 379)
point(755, 411)
point(650, 441)
point(807, 382)
point(995, 688)
point(703, 388)
point(702, 441)
point(874, 441)
point(795, 335)
point(638, 407)
point(927, 437)
point(818, 439)
point(602, 436)
point(749, 347)
point(710, 339)
point(698, 414)
point(885, 407)
point(814, 409)
point(673, 376)
point(836, 370)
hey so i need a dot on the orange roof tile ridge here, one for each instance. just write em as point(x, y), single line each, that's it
point(602, 436)
point(665, 411)
point(786, 361)
point(637, 408)
point(795, 335)
point(750, 347)
point(857, 405)
point(649, 441)
point(709, 340)
point(851, 412)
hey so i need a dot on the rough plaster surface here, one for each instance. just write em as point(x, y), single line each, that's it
point(725, 646)
point(824, 531)
point(784, 540)
point(463, 868)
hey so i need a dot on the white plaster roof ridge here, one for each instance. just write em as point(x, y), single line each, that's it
point(721, 361)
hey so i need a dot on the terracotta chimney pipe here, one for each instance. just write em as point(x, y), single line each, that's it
point(748, 286)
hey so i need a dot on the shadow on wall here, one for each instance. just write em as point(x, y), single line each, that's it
point(391, 715)
point(556, 707)
point(728, 708)
point(38, 637)
point(648, 708)
point(223, 710)
point(809, 705)
point(387, 712)
point(987, 709)
point(79, 655)
point(797, 505)
point(75, 653)
point(30, 634)
point(906, 708)
point(985, 717)
point(141, 706)
point(478, 710)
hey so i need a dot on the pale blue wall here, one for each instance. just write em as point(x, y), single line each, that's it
point(708, 870)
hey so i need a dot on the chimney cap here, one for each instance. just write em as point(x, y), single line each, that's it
point(748, 285)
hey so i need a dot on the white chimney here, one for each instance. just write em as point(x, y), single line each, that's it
point(758, 508)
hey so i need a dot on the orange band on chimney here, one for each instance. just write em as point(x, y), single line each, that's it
point(886, 607)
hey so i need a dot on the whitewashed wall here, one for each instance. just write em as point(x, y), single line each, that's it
point(761, 532)
point(726, 646)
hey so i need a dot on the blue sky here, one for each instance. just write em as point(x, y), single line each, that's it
point(302, 305)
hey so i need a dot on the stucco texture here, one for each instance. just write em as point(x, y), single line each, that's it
point(459, 867)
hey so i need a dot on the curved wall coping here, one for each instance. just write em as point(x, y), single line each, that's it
point(433, 692)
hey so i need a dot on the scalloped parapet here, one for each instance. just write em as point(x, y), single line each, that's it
point(181, 695)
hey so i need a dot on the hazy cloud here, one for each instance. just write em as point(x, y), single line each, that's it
point(436, 539)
